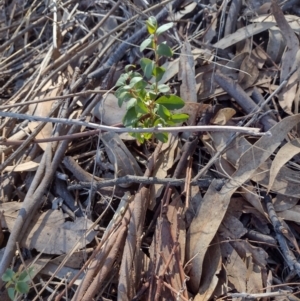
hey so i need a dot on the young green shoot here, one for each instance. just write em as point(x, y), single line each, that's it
point(149, 104)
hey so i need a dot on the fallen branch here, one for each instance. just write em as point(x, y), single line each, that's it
point(203, 183)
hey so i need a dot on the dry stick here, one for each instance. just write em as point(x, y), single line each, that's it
point(33, 25)
point(247, 296)
point(235, 135)
point(203, 183)
point(102, 254)
point(4, 141)
point(84, 93)
point(173, 290)
point(289, 256)
point(118, 244)
point(188, 183)
point(200, 128)
point(126, 286)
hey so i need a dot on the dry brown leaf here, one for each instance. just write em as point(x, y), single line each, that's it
point(282, 202)
point(186, 74)
point(172, 67)
point(291, 19)
point(286, 181)
point(244, 276)
point(286, 152)
point(235, 268)
point(223, 116)
point(243, 33)
point(275, 47)
point(26, 166)
point(49, 233)
point(76, 260)
point(234, 226)
point(108, 110)
point(289, 61)
point(248, 73)
point(225, 166)
point(290, 215)
point(63, 272)
point(42, 109)
point(164, 162)
point(232, 68)
point(177, 227)
point(211, 267)
point(243, 247)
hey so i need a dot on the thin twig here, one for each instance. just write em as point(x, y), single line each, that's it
point(199, 128)
point(83, 93)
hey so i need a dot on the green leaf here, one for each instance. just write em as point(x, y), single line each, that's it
point(129, 66)
point(138, 136)
point(130, 117)
point(171, 102)
point(134, 81)
point(159, 72)
point(141, 85)
point(24, 276)
point(147, 66)
point(152, 95)
point(146, 43)
point(124, 97)
point(163, 88)
point(11, 293)
point(179, 117)
point(130, 103)
point(163, 137)
point(164, 28)
point(8, 275)
point(141, 107)
point(22, 287)
point(163, 112)
point(151, 25)
point(164, 50)
point(122, 80)
point(159, 122)
point(147, 136)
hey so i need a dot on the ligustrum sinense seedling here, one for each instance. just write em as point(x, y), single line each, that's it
point(148, 103)
point(17, 283)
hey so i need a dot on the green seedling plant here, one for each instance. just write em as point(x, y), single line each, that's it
point(17, 283)
point(149, 104)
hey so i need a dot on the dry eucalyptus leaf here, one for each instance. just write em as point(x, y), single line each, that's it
point(286, 152)
point(51, 89)
point(243, 33)
point(48, 232)
point(289, 61)
point(282, 202)
point(211, 267)
point(275, 47)
point(26, 166)
point(164, 162)
point(186, 74)
point(108, 110)
point(223, 116)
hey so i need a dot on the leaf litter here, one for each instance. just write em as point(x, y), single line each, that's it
point(204, 216)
